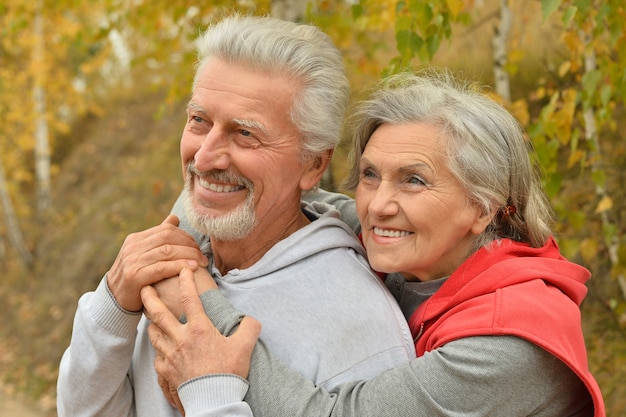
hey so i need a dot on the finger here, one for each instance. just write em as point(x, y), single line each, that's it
point(165, 387)
point(166, 248)
point(171, 219)
point(157, 270)
point(158, 312)
point(158, 339)
point(170, 392)
point(247, 335)
point(189, 298)
point(178, 404)
point(242, 344)
point(165, 232)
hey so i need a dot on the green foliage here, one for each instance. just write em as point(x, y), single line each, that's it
point(420, 27)
point(571, 104)
point(548, 7)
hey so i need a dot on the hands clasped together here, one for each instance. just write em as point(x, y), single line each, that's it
point(145, 275)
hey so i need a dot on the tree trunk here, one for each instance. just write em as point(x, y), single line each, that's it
point(13, 229)
point(295, 11)
point(499, 43)
point(591, 133)
point(42, 142)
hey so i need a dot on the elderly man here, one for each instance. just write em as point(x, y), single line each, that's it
point(267, 103)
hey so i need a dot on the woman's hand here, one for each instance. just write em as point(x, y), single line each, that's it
point(169, 293)
point(196, 348)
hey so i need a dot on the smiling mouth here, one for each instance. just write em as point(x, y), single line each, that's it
point(219, 188)
point(390, 233)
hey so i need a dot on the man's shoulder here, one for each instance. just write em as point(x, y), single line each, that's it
point(344, 205)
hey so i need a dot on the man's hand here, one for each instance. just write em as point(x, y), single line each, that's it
point(169, 294)
point(150, 256)
point(187, 351)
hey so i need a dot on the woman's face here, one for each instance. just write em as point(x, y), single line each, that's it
point(415, 215)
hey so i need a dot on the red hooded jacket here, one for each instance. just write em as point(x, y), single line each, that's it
point(512, 289)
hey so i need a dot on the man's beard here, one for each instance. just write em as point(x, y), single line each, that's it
point(234, 225)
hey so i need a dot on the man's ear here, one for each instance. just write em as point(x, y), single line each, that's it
point(315, 169)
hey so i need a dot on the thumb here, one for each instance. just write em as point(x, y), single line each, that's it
point(242, 344)
point(246, 335)
point(171, 219)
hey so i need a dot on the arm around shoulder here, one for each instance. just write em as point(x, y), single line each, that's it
point(215, 395)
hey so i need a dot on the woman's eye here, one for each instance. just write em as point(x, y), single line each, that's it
point(415, 180)
point(367, 173)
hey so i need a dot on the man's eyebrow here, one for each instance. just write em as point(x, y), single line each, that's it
point(195, 107)
point(251, 124)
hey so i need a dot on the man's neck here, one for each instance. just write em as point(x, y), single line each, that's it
point(243, 253)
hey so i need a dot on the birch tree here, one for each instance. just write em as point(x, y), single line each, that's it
point(42, 140)
point(499, 44)
point(14, 232)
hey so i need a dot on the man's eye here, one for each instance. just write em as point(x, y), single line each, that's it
point(246, 139)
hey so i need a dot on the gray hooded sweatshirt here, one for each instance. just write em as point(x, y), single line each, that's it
point(323, 312)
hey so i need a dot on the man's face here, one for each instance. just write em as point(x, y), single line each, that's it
point(241, 153)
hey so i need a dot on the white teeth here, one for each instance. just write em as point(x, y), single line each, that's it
point(220, 188)
point(390, 233)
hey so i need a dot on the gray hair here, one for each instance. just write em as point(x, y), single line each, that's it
point(486, 149)
point(300, 51)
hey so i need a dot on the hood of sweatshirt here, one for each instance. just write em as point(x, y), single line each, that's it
point(506, 263)
point(511, 288)
point(326, 231)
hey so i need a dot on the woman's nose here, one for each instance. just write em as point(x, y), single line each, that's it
point(384, 202)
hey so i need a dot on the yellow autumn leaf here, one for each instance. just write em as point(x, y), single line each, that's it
point(605, 204)
point(575, 157)
point(588, 249)
point(519, 108)
point(455, 6)
point(573, 42)
point(564, 68)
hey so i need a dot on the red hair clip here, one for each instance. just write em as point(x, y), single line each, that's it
point(508, 210)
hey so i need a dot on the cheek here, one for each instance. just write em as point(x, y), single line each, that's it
point(362, 202)
point(187, 149)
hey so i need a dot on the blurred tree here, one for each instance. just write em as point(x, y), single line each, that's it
point(42, 47)
point(62, 59)
point(581, 99)
point(42, 140)
point(14, 232)
point(71, 55)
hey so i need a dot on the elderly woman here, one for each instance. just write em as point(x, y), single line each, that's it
point(451, 209)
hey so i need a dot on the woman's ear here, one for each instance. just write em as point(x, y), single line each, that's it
point(316, 167)
point(482, 220)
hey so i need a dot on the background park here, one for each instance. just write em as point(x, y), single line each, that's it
point(92, 100)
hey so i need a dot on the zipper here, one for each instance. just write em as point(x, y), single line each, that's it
point(417, 336)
